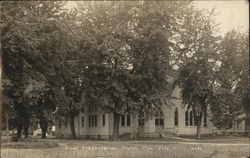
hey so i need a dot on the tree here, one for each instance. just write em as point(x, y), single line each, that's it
point(225, 110)
point(68, 76)
point(17, 68)
point(69, 97)
point(127, 67)
point(43, 110)
point(61, 50)
point(196, 58)
point(43, 57)
point(231, 95)
point(23, 54)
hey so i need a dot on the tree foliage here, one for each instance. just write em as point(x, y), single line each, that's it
point(27, 28)
point(128, 67)
point(231, 93)
point(197, 60)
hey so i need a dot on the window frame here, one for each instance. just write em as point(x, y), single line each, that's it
point(186, 118)
point(205, 120)
point(92, 120)
point(123, 120)
point(176, 117)
point(128, 120)
point(83, 121)
point(103, 120)
point(191, 118)
point(159, 118)
point(141, 120)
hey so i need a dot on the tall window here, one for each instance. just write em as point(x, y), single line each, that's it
point(159, 120)
point(141, 120)
point(125, 120)
point(92, 108)
point(103, 120)
point(122, 120)
point(247, 124)
point(191, 118)
point(82, 110)
point(95, 120)
point(92, 120)
point(128, 120)
point(82, 121)
point(176, 117)
point(186, 118)
point(205, 120)
point(92, 116)
point(66, 123)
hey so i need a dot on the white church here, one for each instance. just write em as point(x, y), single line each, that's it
point(174, 120)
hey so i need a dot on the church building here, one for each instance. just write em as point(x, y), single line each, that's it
point(176, 120)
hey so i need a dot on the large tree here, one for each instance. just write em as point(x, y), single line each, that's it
point(196, 54)
point(231, 96)
point(24, 42)
point(128, 66)
point(16, 48)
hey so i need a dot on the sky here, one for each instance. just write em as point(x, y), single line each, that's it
point(232, 13)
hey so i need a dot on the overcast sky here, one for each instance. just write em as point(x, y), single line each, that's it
point(233, 13)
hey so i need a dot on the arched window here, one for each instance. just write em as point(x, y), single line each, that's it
point(186, 118)
point(82, 121)
point(176, 117)
point(191, 118)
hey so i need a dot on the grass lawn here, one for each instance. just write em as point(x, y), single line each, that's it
point(170, 148)
point(219, 139)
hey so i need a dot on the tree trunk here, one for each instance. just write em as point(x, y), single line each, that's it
point(7, 126)
point(116, 126)
point(199, 117)
point(44, 126)
point(19, 131)
point(1, 96)
point(44, 131)
point(72, 126)
point(26, 132)
point(26, 129)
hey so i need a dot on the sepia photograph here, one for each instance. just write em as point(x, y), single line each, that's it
point(124, 79)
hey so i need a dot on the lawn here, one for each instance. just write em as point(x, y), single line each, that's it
point(60, 148)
